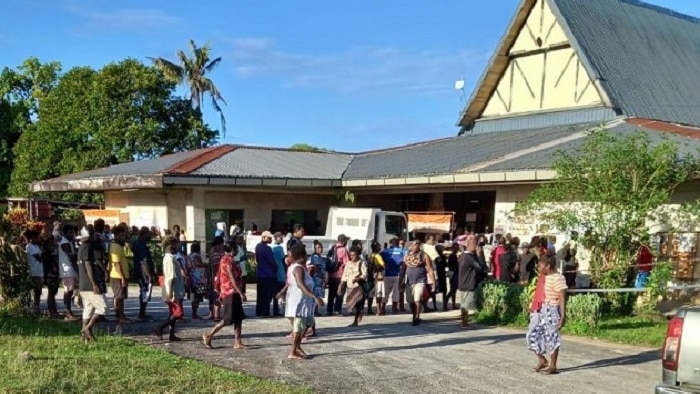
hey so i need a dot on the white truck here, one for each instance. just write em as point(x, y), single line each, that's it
point(365, 224)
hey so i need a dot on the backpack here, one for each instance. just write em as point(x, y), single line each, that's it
point(332, 263)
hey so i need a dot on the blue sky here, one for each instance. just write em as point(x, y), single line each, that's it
point(348, 76)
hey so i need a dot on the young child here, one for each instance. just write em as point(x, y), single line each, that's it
point(200, 284)
point(319, 291)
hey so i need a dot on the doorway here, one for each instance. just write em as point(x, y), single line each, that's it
point(228, 216)
point(474, 211)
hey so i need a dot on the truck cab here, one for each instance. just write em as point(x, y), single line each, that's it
point(680, 356)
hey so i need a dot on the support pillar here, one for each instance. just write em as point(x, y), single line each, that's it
point(194, 216)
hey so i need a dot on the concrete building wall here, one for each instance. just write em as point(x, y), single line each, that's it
point(258, 206)
point(144, 207)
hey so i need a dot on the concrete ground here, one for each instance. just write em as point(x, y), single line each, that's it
point(388, 355)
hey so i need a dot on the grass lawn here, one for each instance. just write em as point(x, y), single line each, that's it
point(62, 363)
point(633, 330)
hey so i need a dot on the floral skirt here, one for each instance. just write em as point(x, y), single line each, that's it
point(543, 333)
point(356, 299)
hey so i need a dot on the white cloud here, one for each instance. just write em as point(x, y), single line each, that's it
point(357, 70)
point(124, 19)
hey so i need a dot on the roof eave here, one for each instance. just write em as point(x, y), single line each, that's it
point(87, 185)
point(472, 178)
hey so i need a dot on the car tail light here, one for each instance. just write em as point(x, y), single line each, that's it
point(672, 345)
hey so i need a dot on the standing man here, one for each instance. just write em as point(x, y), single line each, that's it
point(278, 252)
point(266, 274)
point(393, 258)
point(466, 283)
point(90, 259)
point(337, 258)
point(119, 272)
point(36, 267)
point(143, 269)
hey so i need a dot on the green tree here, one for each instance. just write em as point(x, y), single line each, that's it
point(308, 148)
point(193, 71)
point(20, 92)
point(126, 111)
point(611, 188)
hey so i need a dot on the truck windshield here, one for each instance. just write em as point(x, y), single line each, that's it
point(395, 225)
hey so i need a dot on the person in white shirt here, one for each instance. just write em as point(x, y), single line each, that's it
point(36, 267)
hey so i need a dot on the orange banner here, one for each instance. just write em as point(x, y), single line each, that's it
point(110, 216)
point(430, 222)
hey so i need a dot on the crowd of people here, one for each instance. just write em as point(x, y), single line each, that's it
point(86, 261)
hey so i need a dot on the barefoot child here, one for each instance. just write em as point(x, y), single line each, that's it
point(300, 299)
point(318, 291)
point(547, 315)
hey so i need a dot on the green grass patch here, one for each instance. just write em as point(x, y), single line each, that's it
point(60, 362)
point(631, 330)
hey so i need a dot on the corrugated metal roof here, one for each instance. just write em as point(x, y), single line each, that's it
point(144, 167)
point(246, 162)
point(452, 154)
point(648, 57)
point(543, 159)
point(547, 119)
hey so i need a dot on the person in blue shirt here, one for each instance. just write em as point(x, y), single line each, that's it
point(266, 274)
point(393, 258)
point(278, 253)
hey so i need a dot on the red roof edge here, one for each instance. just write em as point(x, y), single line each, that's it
point(688, 131)
point(202, 157)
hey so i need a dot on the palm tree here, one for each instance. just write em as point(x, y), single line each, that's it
point(193, 71)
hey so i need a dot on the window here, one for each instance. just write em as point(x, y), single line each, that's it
point(395, 225)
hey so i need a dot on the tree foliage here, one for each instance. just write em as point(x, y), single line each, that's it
point(20, 93)
point(96, 118)
point(193, 71)
point(308, 148)
point(611, 189)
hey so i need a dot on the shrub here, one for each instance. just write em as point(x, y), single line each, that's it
point(15, 282)
point(500, 303)
point(657, 283)
point(251, 267)
point(584, 312)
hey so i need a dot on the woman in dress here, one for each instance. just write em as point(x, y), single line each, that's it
point(417, 270)
point(547, 315)
point(232, 297)
point(173, 288)
point(300, 299)
point(353, 281)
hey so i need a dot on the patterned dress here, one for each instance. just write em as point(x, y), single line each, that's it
point(543, 334)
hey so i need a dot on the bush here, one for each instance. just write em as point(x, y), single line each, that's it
point(583, 313)
point(500, 303)
point(251, 267)
point(657, 283)
point(15, 282)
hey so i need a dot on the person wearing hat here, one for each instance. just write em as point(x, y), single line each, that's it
point(528, 264)
point(266, 274)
